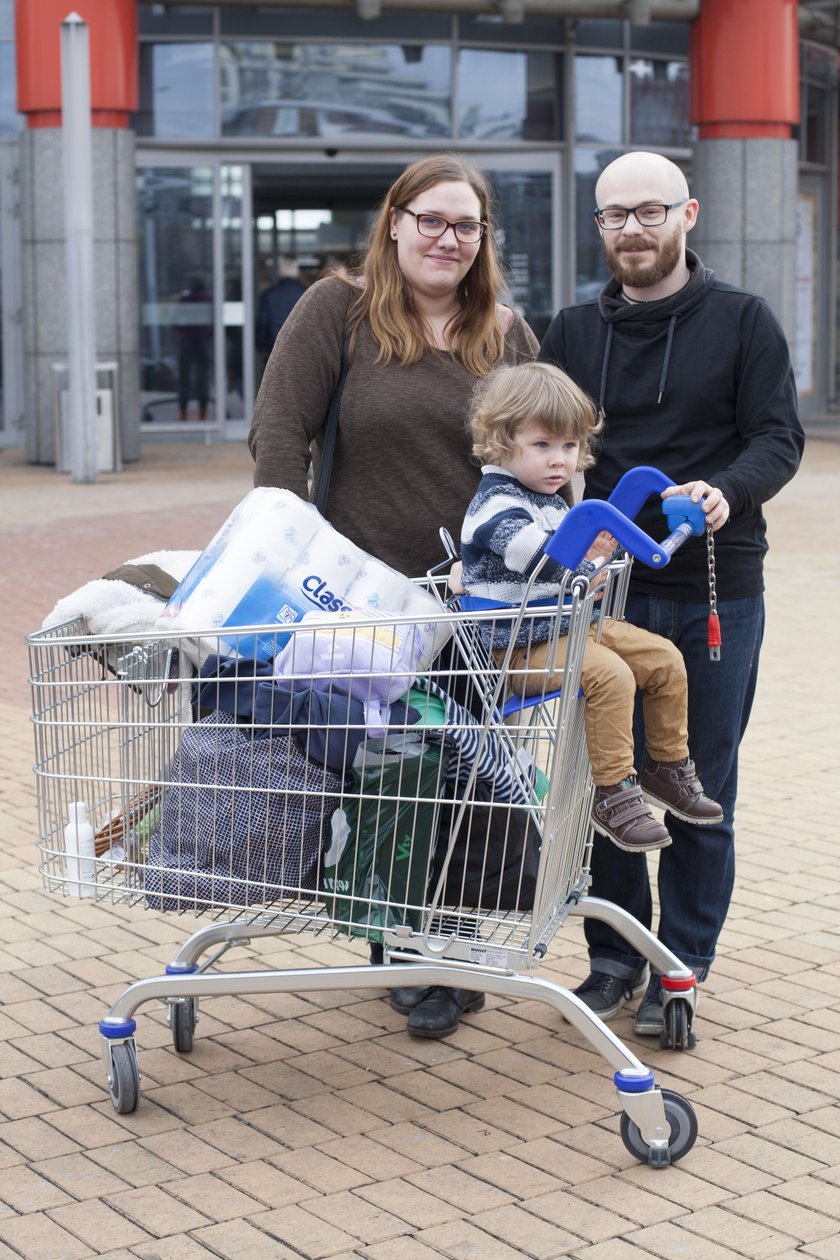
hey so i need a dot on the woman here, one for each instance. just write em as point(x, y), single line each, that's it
point(423, 325)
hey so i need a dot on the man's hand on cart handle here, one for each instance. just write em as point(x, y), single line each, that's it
point(714, 504)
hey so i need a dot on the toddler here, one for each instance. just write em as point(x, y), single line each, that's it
point(532, 428)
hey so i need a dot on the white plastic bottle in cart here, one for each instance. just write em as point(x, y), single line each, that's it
point(79, 852)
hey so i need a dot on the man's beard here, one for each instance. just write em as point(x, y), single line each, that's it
point(669, 254)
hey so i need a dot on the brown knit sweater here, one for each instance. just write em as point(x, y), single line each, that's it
point(402, 464)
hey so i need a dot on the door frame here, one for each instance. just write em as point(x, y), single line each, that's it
point(156, 159)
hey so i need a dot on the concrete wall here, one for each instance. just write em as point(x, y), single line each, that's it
point(44, 277)
point(746, 229)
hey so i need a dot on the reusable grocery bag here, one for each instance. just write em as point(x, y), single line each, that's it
point(376, 870)
point(242, 819)
point(496, 857)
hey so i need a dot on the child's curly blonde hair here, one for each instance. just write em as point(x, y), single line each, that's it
point(509, 398)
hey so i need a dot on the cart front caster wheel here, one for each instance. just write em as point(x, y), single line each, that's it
point(124, 1081)
point(183, 1017)
point(678, 1033)
point(683, 1124)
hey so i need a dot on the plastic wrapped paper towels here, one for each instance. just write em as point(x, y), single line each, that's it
point(276, 559)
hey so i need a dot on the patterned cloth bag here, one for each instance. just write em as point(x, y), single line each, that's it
point(242, 819)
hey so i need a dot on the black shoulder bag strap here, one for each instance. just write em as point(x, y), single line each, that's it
point(322, 487)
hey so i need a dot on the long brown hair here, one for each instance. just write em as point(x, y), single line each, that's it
point(386, 300)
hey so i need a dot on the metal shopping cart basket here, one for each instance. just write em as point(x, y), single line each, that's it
point(330, 790)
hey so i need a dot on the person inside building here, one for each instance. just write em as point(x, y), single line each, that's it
point(276, 302)
point(195, 339)
point(423, 322)
point(692, 375)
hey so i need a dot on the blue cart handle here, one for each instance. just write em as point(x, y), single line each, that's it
point(582, 523)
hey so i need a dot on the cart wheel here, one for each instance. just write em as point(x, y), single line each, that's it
point(680, 1116)
point(678, 1034)
point(183, 1017)
point(124, 1081)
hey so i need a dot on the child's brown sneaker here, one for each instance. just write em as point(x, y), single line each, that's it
point(674, 785)
point(622, 815)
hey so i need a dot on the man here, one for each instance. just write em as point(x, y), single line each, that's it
point(276, 302)
point(694, 377)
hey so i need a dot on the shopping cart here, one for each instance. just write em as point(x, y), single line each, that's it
point(333, 792)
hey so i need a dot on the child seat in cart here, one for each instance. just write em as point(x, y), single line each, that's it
point(333, 790)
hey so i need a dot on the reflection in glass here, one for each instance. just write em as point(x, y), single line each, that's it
point(175, 207)
point(300, 23)
point(600, 34)
point(819, 74)
point(176, 90)
point(330, 91)
point(599, 114)
point(486, 28)
point(11, 122)
point(592, 270)
point(525, 242)
point(175, 19)
point(661, 37)
point(659, 103)
point(524, 103)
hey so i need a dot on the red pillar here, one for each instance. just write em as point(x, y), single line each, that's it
point(745, 69)
point(113, 59)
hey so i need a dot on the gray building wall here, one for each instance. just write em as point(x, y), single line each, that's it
point(746, 228)
point(44, 277)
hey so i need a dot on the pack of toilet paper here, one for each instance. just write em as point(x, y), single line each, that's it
point(274, 560)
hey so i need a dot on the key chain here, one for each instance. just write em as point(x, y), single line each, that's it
point(713, 636)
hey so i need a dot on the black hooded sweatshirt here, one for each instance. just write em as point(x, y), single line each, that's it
point(699, 385)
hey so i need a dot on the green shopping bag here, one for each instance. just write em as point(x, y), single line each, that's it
point(375, 873)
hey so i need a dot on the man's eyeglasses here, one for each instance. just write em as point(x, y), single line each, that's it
point(467, 231)
point(651, 214)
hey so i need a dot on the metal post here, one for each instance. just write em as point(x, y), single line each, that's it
point(78, 227)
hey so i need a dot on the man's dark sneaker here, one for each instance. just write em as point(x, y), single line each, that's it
point(674, 785)
point(406, 998)
point(605, 995)
point(440, 1011)
point(650, 1020)
point(623, 815)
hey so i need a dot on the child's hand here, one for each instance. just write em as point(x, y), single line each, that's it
point(602, 547)
point(454, 582)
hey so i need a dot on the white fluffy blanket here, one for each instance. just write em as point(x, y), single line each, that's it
point(114, 607)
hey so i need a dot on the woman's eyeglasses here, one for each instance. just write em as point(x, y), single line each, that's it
point(467, 231)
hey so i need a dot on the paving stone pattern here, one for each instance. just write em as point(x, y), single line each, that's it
point(313, 1126)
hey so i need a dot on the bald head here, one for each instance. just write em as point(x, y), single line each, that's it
point(637, 177)
point(646, 255)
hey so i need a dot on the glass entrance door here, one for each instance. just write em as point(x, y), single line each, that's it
point(309, 218)
point(178, 295)
point(312, 217)
point(218, 236)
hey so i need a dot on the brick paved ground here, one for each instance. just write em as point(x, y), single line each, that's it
point(313, 1126)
